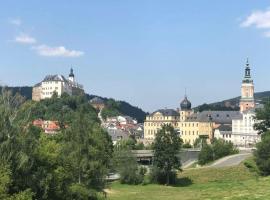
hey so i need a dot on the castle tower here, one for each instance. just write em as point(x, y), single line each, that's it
point(247, 91)
point(71, 76)
point(185, 110)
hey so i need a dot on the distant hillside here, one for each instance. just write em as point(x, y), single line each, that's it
point(25, 91)
point(232, 104)
point(122, 106)
point(117, 107)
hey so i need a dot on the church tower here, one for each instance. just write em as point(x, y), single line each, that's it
point(247, 91)
point(71, 76)
point(185, 110)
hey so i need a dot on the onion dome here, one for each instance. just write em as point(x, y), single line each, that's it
point(185, 104)
point(71, 74)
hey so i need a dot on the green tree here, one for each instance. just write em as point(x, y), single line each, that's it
point(69, 165)
point(87, 150)
point(187, 146)
point(262, 153)
point(222, 148)
point(126, 165)
point(218, 149)
point(166, 147)
point(200, 141)
point(206, 155)
point(263, 118)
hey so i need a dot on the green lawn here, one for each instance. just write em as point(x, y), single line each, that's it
point(232, 183)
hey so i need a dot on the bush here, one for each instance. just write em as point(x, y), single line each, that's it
point(187, 146)
point(251, 165)
point(160, 176)
point(206, 155)
point(218, 149)
point(222, 148)
point(130, 177)
point(127, 167)
point(262, 154)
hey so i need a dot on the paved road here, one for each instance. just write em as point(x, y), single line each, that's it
point(231, 160)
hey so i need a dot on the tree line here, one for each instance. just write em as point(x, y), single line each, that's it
point(71, 164)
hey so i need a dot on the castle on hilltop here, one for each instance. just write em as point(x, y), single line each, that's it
point(56, 84)
point(234, 126)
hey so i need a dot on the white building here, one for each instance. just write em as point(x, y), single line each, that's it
point(56, 84)
point(224, 131)
point(124, 120)
point(243, 133)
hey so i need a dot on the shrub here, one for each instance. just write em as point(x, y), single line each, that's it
point(206, 155)
point(218, 149)
point(262, 154)
point(187, 146)
point(127, 167)
point(251, 165)
point(160, 176)
point(222, 148)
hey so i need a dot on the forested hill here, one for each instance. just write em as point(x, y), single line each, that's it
point(25, 91)
point(232, 104)
point(114, 107)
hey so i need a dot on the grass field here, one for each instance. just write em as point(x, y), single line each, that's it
point(232, 183)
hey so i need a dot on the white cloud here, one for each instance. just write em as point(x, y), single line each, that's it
point(16, 22)
point(259, 19)
point(59, 51)
point(25, 39)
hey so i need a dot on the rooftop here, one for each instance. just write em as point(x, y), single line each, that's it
point(55, 78)
point(220, 117)
point(166, 112)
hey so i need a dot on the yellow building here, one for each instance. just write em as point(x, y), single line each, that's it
point(189, 124)
point(154, 121)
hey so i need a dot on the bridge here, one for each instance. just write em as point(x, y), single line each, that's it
point(145, 157)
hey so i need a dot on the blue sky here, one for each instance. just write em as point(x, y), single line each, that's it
point(145, 52)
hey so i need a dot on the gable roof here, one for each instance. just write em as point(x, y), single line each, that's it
point(166, 112)
point(220, 117)
point(55, 78)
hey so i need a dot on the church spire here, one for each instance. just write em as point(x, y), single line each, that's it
point(71, 74)
point(247, 70)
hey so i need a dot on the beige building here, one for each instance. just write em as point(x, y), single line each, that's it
point(56, 84)
point(36, 92)
point(189, 124)
point(154, 121)
point(193, 125)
